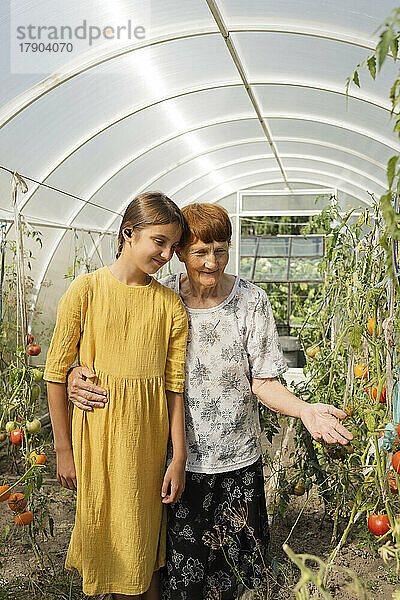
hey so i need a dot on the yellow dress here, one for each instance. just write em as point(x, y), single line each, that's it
point(134, 340)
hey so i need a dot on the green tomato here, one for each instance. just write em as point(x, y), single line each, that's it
point(10, 425)
point(35, 391)
point(37, 375)
point(33, 426)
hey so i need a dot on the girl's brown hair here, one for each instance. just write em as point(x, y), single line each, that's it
point(151, 208)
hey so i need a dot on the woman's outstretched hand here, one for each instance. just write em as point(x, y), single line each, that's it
point(322, 422)
point(82, 393)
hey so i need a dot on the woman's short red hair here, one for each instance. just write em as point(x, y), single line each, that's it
point(207, 223)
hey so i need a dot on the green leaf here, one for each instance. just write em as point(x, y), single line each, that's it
point(371, 63)
point(391, 169)
point(360, 223)
point(394, 47)
point(356, 79)
point(355, 336)
point(29, 489)
point(370, 422)
point(383, 46)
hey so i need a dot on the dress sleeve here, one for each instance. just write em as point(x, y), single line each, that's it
point(67, 333)
point(263, 347)
point(175, 363)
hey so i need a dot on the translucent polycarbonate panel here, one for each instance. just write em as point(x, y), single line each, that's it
point(268, 247)
point(229, 202)
point(313, 60)
point(327, 153)
point(149, 142)
point(222, 177)
point(271, 269)
point(205, 171)
point(337, 170)
point(344, 135)
point(169, 15)
point(361, 16)
point(310, 246)
point(68, 254)
point(48, 205)
point(196, 167)
point(323, 106)
point(269, 204)
point(282, 186)
point(246, 267)
point(145, 76)
point(95, 163)
point(302, 269)
point(330, 180)
point(248, 246)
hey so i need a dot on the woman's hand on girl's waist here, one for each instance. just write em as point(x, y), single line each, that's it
point(82, 393)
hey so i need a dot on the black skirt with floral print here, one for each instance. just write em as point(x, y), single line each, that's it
point(217, 536)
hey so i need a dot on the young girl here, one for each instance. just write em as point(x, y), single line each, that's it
point(131, 332)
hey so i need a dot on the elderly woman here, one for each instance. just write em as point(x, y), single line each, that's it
point(233, 359)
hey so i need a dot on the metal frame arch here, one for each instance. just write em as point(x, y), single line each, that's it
point(181, 94)
point(76, 213)
point(262, 157)
point(346, 126)
point(260, 140)
point(316, 171)
point(325, 144)
point(291, 180)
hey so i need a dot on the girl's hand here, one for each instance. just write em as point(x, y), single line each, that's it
point(66, 474)
point(175, 479)
point(321, 420)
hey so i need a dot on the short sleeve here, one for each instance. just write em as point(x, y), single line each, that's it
point(176, 355)
point(263, 347)
point(67, 333)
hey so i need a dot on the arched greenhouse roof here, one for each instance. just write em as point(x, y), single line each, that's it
point(219, 97)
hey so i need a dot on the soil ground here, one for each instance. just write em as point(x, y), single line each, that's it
point(21, 578)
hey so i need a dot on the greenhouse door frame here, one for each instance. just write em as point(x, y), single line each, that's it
point(276, 213)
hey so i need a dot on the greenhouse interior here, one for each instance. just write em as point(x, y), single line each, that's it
point(245, 154)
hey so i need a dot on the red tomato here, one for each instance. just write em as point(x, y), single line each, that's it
point(29, 338)
point(4, 494)
point(37, 459)
point(24, 518)
point(16, 502)
point(396, 462)
point(393, 484)
point(16, 437)
point(33, 349)
point(378, 524)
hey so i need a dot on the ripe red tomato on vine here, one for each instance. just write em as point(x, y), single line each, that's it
point(16, 437)
point(33, 349)
point(378, 524)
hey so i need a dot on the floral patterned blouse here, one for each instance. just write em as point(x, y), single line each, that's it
point(228, 345)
